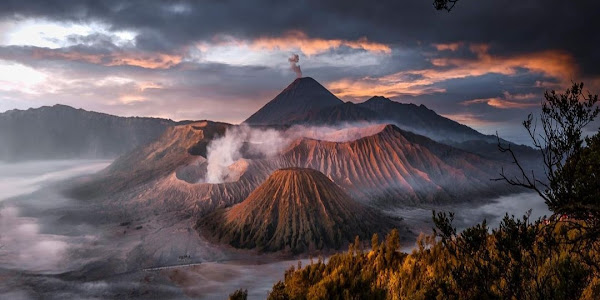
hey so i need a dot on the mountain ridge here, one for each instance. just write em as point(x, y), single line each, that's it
point(61, 132)
point(305, 101)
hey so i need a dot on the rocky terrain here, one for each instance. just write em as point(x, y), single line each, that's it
point(296, 210)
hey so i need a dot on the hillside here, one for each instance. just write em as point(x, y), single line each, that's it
point(303, 96)
point(396, 166)
point(297, 210)
point(378, 165)
point(422, 120)
point(63, 132)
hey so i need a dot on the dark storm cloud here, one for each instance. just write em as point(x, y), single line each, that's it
point(510, 27)
point(157, 73)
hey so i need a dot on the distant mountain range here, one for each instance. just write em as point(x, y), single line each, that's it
point(305, 101)
point(63, 132)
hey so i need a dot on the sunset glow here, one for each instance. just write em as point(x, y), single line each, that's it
point(260, 149)
point(63, 59)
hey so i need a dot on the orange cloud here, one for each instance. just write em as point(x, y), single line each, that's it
point(507, 101)
point(384, 86)
point(148, 61)
point(143, 60)
point(555, 64)
point(469, 119)
point(298, 40)
point(450, 46)
point(310, 46)
point(128, 99)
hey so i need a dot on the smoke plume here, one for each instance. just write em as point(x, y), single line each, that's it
point(226, 156)
point(294, 59)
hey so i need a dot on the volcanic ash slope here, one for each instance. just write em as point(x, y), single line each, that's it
point(296, 210)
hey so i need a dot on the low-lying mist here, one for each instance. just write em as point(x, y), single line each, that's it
point(26, 243)
point(26, 177)
point(24, 247)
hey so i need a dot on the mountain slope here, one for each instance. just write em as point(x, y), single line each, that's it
point(395, 166)
point(347, 112)
point(382, 165)
point(423, 121)
point(305, 101)
point(62, 132)
point(296, 210)
point(301, 97)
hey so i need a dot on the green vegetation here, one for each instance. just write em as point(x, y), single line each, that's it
point(549, 258)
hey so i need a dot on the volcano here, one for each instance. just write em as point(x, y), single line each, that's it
point(302, 97)
point(295, 210)
point(306, 101)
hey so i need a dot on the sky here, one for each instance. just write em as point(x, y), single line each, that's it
point(485, 64)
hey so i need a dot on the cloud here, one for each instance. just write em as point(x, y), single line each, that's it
point(449, 46)
point(552, 64)
point(521, 27)
point(298, 40)
point(18, 77)
point(223, 60)
point(508, 101)
point(114, 58)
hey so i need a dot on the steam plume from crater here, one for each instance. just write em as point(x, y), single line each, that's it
point(294, 59)
point(225, 155)
point(235, 144)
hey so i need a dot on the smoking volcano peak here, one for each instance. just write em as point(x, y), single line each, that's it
point(303, 95)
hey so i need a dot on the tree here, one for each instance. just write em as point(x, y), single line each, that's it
point(278, 292)
point(239, 295)
point(563, 153)
point(447, 5)
point(374, 242)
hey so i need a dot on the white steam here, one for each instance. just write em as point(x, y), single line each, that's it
point(226, 156)
point(224, 152)
point(294, 59)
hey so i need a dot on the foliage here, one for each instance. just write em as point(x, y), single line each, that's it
point(239, 295)
point(446, 5)
point(568, 180)
point(519, 260)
